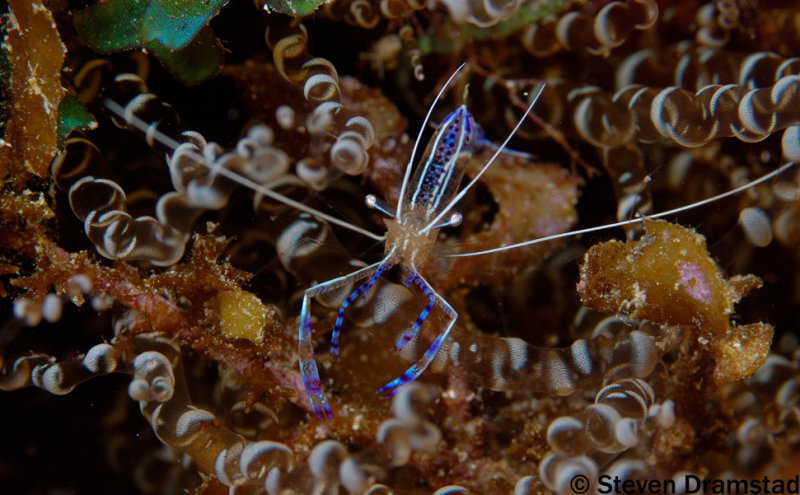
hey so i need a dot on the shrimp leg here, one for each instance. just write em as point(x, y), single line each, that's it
point(416, 369)
point(305, 348)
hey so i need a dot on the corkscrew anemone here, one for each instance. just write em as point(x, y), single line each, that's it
point(154, 297)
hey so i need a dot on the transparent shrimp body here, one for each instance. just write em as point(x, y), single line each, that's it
point(439, 174)
point(432, 188)
point(409, 239)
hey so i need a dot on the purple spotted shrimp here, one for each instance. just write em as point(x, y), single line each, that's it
point(424, 203)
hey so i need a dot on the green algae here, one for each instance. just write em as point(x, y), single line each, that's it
point(175, 31)
point(295, 8)
point(73, 115)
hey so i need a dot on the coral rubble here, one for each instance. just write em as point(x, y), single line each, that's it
point(177, 173)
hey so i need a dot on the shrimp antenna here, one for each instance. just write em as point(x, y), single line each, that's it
point(488, 164)
point(152, 133)
point(633, 221)
point(407, 175)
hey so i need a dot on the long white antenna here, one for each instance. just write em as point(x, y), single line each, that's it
point(152, 133)
point(410, 163)
point(632, 221)
point(438, 219)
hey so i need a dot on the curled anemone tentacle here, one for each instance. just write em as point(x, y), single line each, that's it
point(331, 466)
point(611, 424)
point(59, 378)
point(716, 21)
point(101, 204)
point(408, 431)
point(368, 13)
point(482, 13)
point(160, 387)
point(557, 473)
point(353, 134)
point(596, 33)
point(199, 171)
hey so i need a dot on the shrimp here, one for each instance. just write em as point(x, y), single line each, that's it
point(426, 205)
point(425, 201)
